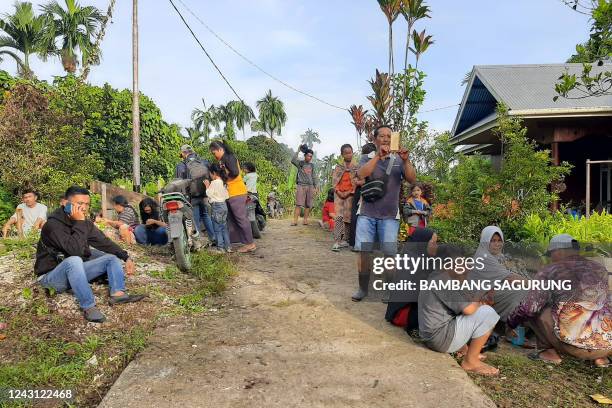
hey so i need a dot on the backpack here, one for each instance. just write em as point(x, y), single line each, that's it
point(374, 189)
point(198, 172)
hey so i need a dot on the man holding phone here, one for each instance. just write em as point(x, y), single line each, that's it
point(379, 216)
point(64, 256)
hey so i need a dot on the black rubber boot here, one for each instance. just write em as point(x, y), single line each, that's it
point(364, 283)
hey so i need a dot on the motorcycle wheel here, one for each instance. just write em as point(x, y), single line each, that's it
point(182, 252)
point(255, 229)
point(261, 222)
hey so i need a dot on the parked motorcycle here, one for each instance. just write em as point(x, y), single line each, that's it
point(177, 213)
point(256, 214)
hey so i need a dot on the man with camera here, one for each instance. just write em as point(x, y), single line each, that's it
point(379, 216)
point(64, 258)
point(307, 183)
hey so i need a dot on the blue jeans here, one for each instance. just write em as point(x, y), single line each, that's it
point(151, 236)
point(372, 231)
point(200, 214)
point(76, 274)
point(219, 220)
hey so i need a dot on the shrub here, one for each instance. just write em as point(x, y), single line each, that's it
point(46, 149)
point(540, 229)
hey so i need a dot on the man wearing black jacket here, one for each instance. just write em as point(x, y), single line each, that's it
point(64, 257)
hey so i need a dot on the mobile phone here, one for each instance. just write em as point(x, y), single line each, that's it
point(68, 208)
point(395, 141)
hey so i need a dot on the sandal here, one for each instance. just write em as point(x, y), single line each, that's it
point(535, 356)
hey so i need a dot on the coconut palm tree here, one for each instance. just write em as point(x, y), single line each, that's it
point(272, 116)
point(14, 56)
point(241, 113)
point(205, 120)
point(75, 26)
point(23, 32)
point(391, 9)
point(310, 137)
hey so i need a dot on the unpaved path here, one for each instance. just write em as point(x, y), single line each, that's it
point(290, 336)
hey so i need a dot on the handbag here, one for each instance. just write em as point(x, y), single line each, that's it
point(374, 189)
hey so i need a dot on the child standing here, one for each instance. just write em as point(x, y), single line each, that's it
point(217, 194)
point(416, 210)
point(250, 177)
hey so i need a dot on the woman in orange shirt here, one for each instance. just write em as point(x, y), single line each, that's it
point(237, 202)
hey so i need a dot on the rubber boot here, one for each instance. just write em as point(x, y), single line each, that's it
point(364, 283)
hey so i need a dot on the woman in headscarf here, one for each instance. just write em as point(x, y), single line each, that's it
point(490, 254)
point(237, 202)
point(402, 309)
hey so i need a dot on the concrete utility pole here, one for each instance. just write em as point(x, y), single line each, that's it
point(135, 101)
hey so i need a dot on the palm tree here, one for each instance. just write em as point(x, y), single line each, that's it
point(226, 115)
point(76, 27)
point(241, 113)
point(24, 32)
point(205, 120)
point(272, 116)
point(310, 137)
point(195, 136)
point(391, 9)
point(18, 61)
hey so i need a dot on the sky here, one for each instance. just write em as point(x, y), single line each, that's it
point(328, 48)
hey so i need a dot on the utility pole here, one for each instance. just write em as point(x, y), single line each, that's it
point(135, 101)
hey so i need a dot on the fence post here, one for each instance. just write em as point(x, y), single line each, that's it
point(103, 194)
point(588, 188)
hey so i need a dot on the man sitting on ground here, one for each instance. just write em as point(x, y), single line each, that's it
point(450, 322)
point(64, 257)
point(127, 220)
point(576, 321)
point(30, 215)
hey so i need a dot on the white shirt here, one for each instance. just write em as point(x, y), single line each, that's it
point(30, 215)
point(216, 191)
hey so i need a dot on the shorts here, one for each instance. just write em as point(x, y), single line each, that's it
point(472, 326)
point(376, 233)
point(304, 196)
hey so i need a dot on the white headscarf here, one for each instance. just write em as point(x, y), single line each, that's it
point(493, 268)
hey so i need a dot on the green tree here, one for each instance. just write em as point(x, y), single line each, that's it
point(272, 116)
point(205, 120)
point(241, 113)
point(24, 33)
point(75, 27)
point(595, 50)
point(47, 147)
point(310, 138)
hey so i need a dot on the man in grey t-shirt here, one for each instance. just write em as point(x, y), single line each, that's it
point(379, 220)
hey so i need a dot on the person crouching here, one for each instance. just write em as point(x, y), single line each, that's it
point(64, 258)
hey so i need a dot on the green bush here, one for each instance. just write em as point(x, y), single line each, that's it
point(480, 196)
point(540, 229)
point(7, 205)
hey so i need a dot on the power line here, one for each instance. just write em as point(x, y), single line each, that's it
point(205, 52)
point(254, 64)
point(440, 108)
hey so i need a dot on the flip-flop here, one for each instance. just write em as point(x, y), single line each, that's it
point(293, 225)
point(535, 356)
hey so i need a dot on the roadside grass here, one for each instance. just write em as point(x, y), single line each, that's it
point(49, 345)
point(526, 383)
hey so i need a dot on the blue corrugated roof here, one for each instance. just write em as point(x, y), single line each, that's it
point(479, 104)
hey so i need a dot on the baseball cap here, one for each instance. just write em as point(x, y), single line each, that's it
point(186, 148)
point(562, 241)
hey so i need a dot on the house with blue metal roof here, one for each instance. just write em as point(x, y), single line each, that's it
point(574, 129)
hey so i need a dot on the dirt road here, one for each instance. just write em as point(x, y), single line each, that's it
point(290, 336)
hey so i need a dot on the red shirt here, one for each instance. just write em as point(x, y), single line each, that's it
point(328, 207)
